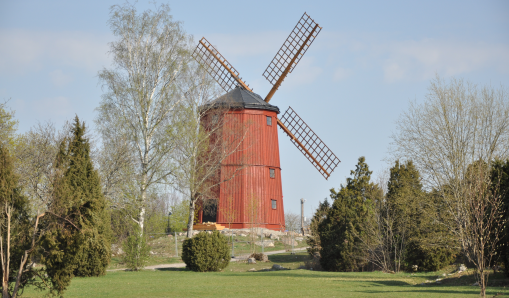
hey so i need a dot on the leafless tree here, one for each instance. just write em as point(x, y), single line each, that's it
point(292, 221)
point(481, 227)
point(141, 95)
point(207, 136)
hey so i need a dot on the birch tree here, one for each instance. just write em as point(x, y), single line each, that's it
point(149, 54)
point(208, 136)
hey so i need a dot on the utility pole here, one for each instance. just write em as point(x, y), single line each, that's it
point(302, 215)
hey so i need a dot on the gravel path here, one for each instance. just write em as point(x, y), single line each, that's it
point(183, 265)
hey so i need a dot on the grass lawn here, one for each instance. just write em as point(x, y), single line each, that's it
point(235, 281)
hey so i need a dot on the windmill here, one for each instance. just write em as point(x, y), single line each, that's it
point(261, 179)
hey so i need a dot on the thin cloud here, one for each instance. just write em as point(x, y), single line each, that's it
point(31, 50)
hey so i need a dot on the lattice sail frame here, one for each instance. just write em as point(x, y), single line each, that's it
point(290, 47)
point(324, 160)
point(217, 66)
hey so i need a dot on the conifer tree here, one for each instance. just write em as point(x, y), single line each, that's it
point(339, 232)
point(79, 243)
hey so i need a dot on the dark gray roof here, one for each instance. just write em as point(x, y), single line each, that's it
point(240, 98)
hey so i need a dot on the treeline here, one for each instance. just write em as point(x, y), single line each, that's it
point(444, 199)
point(396, 225)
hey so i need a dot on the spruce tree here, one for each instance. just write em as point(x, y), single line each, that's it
point(417, 238)
point(79, 242)
point(339, 232)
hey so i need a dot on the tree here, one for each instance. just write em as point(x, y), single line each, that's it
point(483, 225)
point(341, 231)
point(207, 136)
point(35, 157)
point(500, 178)
point(292, 221)
point(17, 243)
point(8, 126)
point(78, 242)
point(313, 239)
point(458, 124)
point(404, 198)
point(139, 104)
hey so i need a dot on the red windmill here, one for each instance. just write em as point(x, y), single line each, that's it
point(260, 180)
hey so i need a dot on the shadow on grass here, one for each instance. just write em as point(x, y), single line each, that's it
point(172, 269)
point(288, 258)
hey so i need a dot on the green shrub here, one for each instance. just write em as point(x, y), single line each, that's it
point(206, 252)
point(136, 251)
point(429, 258)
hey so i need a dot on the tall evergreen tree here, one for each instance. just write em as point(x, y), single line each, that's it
point(417, 238)
point(79, 243)
point(314, 239)
point(340, 231)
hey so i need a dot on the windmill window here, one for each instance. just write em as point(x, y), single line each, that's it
point(272, 173)
point(269, 120)
point(274, 204)
point(215, 118)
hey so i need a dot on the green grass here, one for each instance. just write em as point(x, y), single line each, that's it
point(235, 281)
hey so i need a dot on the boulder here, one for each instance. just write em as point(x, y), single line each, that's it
point(266, 243)
point(462, 268)
point(278, 267)
point(251, 261)
point(252, 270)
point(289, 241)
point(299, 238)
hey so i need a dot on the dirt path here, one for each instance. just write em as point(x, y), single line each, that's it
point(182, 265)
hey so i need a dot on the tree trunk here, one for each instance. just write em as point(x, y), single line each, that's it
point(191, 218)
point(482, 283)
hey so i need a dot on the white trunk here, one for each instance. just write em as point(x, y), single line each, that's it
point(190, 221)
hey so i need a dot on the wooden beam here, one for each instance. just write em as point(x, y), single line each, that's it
point(226, 67)
point(290, 134)
point(288, 67)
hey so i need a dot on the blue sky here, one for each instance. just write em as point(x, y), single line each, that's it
point(370, 59)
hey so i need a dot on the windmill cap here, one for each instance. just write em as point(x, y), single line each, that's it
point(240, 98)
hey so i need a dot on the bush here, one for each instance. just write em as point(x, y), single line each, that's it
point(136, 251)
point(260, 257)
point(206, 252)
point(429, 258)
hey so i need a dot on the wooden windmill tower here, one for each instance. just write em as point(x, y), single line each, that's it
point(261, 178)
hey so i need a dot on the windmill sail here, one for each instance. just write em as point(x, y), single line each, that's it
point(217, 66)
point(290, 53)
point(304, 138)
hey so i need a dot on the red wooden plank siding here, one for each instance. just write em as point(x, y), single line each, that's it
point(260, 152)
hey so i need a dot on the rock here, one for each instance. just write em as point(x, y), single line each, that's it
point(152, 253)
point(289, 241)
point(266, 243)
point(299, 238)
point(243, 235)
point(252, 270)
point(475, 284)
point(462, 268)
point(414, 268)
point(278, 267)
point(251, 261)
point(273, 237)
point(444, 274)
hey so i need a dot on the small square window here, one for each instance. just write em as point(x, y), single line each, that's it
point(274, 204)
point(272, 173)
point(269, 120)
